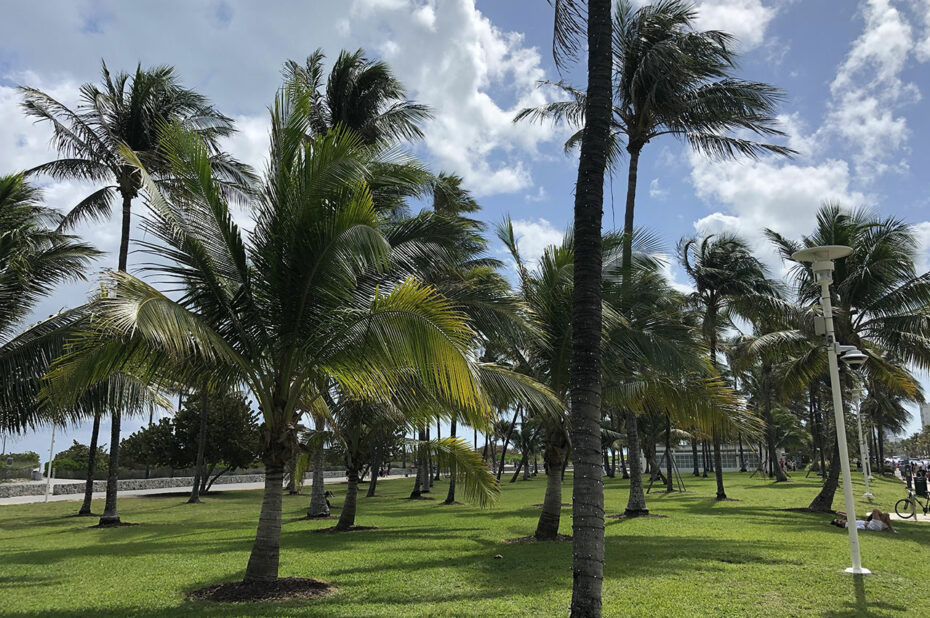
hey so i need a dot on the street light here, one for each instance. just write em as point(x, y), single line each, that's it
point(863, 449)
point(821, 259)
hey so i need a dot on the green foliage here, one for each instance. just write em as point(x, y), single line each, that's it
point(75, 458)
point(232, 436)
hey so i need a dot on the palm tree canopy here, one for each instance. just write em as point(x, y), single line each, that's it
point(127, 111)
point(359, 94)
point(881, 305)
point(669, 79)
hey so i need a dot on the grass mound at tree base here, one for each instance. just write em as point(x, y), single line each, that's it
point(282, 589)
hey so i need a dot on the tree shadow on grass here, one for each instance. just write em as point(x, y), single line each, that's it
point(860, 605)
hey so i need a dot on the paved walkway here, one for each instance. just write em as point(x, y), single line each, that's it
point(100, 495)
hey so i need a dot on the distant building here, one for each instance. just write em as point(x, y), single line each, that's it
point(924, 414)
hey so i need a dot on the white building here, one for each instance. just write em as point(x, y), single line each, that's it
point(924, 414)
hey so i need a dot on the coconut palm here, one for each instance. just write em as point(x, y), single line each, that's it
point(125, 112)
point(728, 281)
point(578, 26)
point(882, 305)
point(35, 256)
point(358, 94)
point(291, 310)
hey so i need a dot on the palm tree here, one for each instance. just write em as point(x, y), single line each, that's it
point(35, 256)
point(579, 25)
point(728, 281)
point(359, 94)
point(125, 112)
point(881, 304)
point(290, 311)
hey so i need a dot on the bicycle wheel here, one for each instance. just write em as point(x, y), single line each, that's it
point(904, 508)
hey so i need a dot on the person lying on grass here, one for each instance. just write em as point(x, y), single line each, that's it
point(877, 520)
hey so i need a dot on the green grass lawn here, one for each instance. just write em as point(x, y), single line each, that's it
point(742, 558)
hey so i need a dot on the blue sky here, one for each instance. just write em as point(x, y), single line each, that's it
point(854, 74)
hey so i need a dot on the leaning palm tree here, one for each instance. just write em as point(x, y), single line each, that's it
point(882, 305)
point(728, 281)
point(125, 112)
point(289, 310)
point(35, 256)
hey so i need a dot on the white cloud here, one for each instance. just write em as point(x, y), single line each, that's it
point(768, 194)
point(747, 20)
point(539, 196)
point(922, 234)
point(656, 191)
point(868, 91)
point(449, 55)
point(533, 236)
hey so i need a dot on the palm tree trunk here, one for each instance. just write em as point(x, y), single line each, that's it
point(623, 470)
point(547, 528)
point(694, 457)
point(110, 515)
point(347, 516)
point(318, 506)
point(419, 483)
point(588, 494)
point(823, 502)
point(742, 459)
point(513, 425)
point(201, 447)
point(718, 468)
point(375, 471)
point(669, 487)
point(636, 505)
point(450, 497)
point(705, 463)
point(880, 432)
point(91, 467)
point(263, 562)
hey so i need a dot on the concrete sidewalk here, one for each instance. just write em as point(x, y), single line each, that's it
point(167, 491)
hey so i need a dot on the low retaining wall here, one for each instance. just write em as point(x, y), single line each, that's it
point(12, 490)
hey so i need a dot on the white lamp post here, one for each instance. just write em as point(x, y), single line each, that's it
point(822, 265)
point(863, 453)
point(51, 455)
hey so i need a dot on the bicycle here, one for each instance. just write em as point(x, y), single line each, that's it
point(907, 507)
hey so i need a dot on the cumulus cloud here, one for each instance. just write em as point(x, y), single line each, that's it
point(752, 196)
point(449, 55)
point(533, 236)
point(868, 91)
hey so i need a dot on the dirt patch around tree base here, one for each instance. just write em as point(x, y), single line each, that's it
point(282, 589)
point(418, 498)
point(726, 500)
point(118, 524)
point(82, 515)
point(335, 529)
point(316, 517)
point(624, 516)
point(561, 538)
point(564, 504)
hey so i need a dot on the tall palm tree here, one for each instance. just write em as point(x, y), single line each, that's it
point(35, 256)
point(289, 311)
point(125, 112)
point(882, 305)
point(728, 281)
point(583, 25)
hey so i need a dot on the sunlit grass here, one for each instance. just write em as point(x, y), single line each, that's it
point(740, 558)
